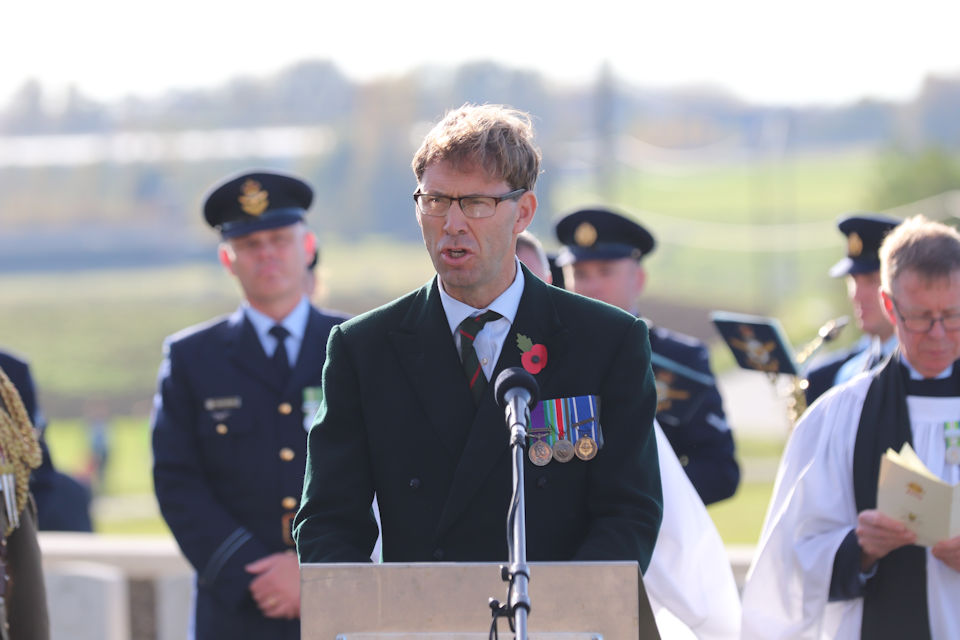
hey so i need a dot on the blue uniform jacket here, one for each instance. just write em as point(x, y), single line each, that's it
point(229, 446)
point(696, 426)
point(821, 375)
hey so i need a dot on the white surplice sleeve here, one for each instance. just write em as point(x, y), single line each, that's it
point(689, 578)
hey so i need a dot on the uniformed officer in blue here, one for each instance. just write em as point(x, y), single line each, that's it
point(864, 233)
point(234, 398)
point(602, 259)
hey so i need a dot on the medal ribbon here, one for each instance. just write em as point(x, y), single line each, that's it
point(586, 426)
point(566, 419)
point(541, 422)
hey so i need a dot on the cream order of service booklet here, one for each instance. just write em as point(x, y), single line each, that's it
point(911, 493)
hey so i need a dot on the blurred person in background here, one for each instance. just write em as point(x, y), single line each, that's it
point(235, 397)
point(602, 259)
point(98, 415)
point(864, 233)
point(531, 253)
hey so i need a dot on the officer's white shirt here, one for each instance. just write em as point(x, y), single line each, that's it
point(295, 323)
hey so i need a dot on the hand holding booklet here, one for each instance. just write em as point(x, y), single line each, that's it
point(909, 492)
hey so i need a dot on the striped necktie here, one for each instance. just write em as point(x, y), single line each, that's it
point(468, 330)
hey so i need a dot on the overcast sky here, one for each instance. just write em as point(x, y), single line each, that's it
point(769, 51)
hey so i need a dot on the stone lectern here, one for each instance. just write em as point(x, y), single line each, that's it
point(430, 601)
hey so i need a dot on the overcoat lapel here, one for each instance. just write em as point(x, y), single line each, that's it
point(245, 351)
point(538, 320)
point(429, 358)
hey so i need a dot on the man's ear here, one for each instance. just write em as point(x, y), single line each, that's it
point(888, 307)
point(526, 208)
point(309, 245)
point(226, 256)
point(641, 278)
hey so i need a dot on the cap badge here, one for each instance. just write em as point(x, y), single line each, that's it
point(585, 235)
point(253, 200)
point(854, 245)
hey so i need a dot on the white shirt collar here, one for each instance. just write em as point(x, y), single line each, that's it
point(295, 322)
point(506, 304)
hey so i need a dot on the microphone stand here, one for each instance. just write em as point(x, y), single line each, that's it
point(516, 390)
point(518, 574)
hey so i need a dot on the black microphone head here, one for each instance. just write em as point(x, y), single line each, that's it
point(514, 378)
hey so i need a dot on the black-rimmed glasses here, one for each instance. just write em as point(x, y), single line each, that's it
point(472, 206)
point(923, 324)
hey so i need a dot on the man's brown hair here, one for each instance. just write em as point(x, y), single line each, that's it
point(494, 137)
point(928, 248)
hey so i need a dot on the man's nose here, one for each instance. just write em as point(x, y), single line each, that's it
point(455, 221)
point(937, 330)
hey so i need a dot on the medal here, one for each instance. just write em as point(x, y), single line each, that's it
point(563, 450)
point(585, 448)
point(540, 453)
point(951, 437)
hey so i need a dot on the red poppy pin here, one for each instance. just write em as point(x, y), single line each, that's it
point(534, 357)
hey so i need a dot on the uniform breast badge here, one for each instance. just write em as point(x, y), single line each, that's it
point(312, 396)
point(951, 436)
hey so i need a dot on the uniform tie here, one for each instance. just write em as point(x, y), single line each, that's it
point(468, 330)
point(281, 362)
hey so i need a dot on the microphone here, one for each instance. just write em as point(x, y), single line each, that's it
point(517, 392)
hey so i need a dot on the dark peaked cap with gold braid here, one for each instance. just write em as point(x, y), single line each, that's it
point(256, 201)
point(865, 232)
point(600, 233)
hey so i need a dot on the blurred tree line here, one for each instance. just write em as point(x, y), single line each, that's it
point(362, 176)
